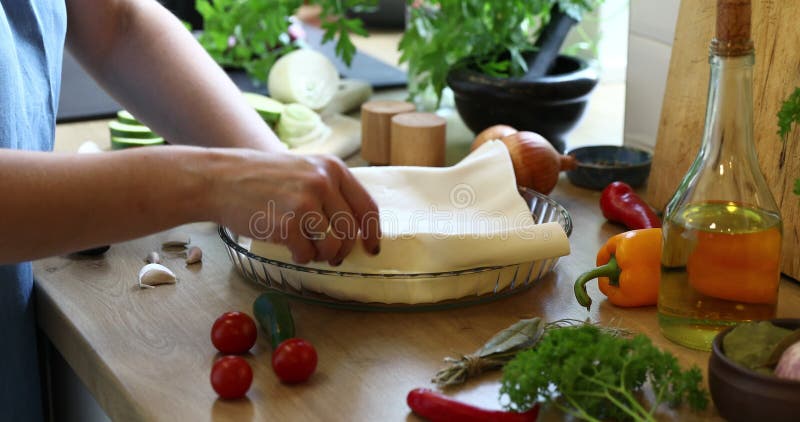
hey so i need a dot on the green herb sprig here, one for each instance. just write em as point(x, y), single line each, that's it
point(790, 114)
point(253, 34)
point(595, 376)
point(503, 346)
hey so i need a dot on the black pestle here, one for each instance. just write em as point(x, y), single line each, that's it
point(549, 44)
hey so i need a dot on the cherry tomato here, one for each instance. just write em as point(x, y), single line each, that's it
point(234, 333)
point(294, 360)
point(231, 377)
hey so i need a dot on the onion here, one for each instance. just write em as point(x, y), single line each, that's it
point(490, 133)
point(299, 125)
point(303, 76)
point(536, 162)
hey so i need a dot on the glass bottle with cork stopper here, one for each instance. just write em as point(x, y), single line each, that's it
point(722, 229)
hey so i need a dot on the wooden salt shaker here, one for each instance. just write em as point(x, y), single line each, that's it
point(376, 119)
point(418, 139)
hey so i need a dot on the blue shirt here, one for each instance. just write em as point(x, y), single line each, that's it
point(31, 47)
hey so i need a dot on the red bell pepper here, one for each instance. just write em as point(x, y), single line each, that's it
point(620, 204)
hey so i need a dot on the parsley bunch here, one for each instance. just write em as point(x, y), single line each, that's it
point(253, 34)
point(595, 376)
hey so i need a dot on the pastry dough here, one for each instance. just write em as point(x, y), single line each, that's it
point(444, 219)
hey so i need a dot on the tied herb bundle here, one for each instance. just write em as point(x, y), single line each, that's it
point(501, 348)
point(594, 376)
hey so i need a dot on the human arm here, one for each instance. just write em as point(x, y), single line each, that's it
point(55, 203)
point(146, 59)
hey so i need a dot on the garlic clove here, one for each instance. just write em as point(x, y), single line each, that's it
point(155, 274)
point(194, 255)
point(153, 258)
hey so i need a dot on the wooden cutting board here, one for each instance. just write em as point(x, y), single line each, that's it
point(776, 34)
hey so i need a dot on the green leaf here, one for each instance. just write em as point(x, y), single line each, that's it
point(260, 30)
point(205, 9)
point(789, 114)
point(797, 187)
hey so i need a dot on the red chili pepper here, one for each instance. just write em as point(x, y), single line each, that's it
point(621, 204)
point(437, 407)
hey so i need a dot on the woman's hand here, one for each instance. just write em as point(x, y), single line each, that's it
point(311, 204)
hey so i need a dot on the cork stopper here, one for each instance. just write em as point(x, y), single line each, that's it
point(733, 29)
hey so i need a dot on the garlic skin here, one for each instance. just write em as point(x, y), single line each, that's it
point(194, 255)
point(155, 274)
point(153, 258)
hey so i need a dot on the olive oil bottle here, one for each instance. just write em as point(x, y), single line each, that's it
point(722, 229)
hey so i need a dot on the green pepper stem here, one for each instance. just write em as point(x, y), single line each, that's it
point(610, 270)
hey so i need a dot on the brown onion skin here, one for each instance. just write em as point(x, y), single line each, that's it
point(536, 163)
point(490, 133)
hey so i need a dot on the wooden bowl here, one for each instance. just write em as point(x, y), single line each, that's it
point(744, 395)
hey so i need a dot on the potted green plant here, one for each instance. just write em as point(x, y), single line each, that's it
point(501, 60)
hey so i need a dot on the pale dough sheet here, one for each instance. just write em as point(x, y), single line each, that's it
point(444, 219)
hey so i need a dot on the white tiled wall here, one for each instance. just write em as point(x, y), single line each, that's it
point(652, 29)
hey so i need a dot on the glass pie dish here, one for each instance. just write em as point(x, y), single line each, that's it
point(393, 291)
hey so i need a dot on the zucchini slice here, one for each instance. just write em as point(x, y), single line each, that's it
point(126, 117)
point(124, 130)
point(269, 109)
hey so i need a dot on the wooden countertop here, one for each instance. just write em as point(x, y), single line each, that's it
point(146, 354)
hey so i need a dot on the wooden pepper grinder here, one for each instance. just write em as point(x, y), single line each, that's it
point(418, 139)
point(376, 117)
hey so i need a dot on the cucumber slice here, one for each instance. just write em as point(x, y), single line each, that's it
point(118, 142)
point(124, 130)
point(269, 109)
point(125, 117)
point(303, 76)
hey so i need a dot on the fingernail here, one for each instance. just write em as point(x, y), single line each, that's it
point(336, 263)
point(376, 250)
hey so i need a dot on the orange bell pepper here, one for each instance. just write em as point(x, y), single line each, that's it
point(629, 270)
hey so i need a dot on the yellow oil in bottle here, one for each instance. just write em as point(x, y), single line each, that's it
point(720, 265)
